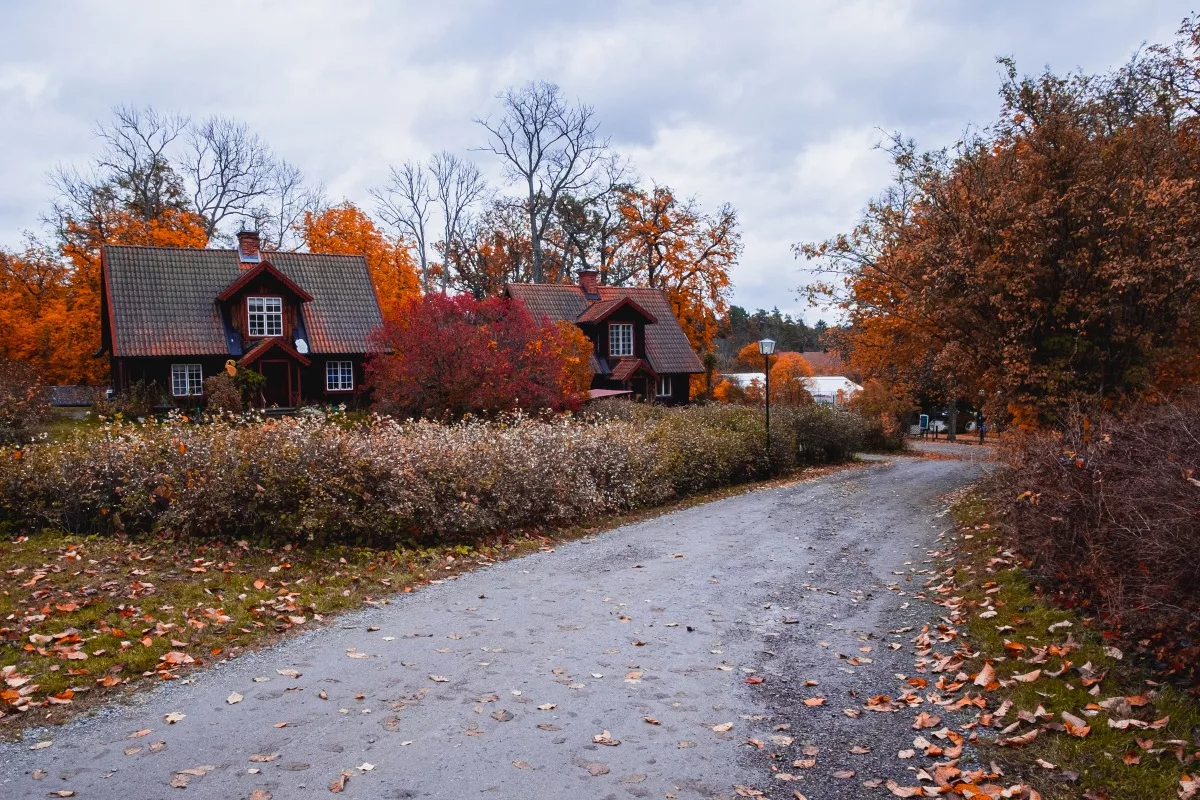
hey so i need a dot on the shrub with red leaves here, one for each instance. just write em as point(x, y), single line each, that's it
point(1108, 511)
point(455, 355)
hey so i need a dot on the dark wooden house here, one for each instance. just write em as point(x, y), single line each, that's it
point(638, 343)
point(175, 316)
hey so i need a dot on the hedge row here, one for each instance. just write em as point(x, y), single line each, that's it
point(381, 481)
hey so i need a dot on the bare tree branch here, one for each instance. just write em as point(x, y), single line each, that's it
point(228, 169)
point(547, 145)
point(458, 184)
point(404, 204)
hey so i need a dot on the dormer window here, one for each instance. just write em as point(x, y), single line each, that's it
point(265, 316)
point(620, 339)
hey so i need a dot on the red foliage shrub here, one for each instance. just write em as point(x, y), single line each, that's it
point(1108, 511)
point(454, 355)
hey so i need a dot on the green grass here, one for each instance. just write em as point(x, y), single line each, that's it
point(1098, 757)
point(208, 601)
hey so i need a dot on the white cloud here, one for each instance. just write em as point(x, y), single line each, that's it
point(772, 105)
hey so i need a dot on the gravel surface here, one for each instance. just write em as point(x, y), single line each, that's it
point(498, 684)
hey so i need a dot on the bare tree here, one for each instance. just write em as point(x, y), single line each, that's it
point(591, 224)
point(229, 169)
point(279, 216)
point(134, 157)
point(550, 146)
point(458, 184)
point(404, 204)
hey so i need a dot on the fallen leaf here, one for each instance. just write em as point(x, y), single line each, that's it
point(521, 765)
point(606, 738)
point(289, 673)
point(366, 766)
point(547, 707)
point(723, 727)
point(813, 702)
point(263, 758)
point(596, 769)
point(651, 720)
point(502, 715)
point(172, 718)
point(439, 679)
point(260, 794)
point(843, 774)
point(339, 783)
point(233, 698)
point(138, 734)
point(42, 745)
point(62, 793)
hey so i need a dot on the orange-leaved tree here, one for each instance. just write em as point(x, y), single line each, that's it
point(749, 357)
point(345, 230)
point(673, 246)
point(1047, 260)
point(789, 380)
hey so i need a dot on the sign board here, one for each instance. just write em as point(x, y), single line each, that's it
point(924, 422)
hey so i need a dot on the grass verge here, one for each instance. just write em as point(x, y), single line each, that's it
point(1140, 738)
point(85, 619)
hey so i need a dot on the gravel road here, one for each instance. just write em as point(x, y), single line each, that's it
point(509, 681)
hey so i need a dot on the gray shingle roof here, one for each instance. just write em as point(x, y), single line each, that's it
point(667, 346)
point(163, 299)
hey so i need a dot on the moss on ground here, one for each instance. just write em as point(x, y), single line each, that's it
point(1110, 763)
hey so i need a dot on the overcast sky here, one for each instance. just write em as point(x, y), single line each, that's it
point(772, 106)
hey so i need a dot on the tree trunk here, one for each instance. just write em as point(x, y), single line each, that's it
point(952, 433)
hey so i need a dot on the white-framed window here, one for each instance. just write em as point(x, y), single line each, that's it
point(339, 376)
point(620, 339)
point(187, 380)
point(265, 315)
point(664, 386)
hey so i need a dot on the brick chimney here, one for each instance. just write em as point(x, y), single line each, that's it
point(589, 282)
point(248, 247)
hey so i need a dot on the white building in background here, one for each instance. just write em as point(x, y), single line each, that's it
point(828, 390)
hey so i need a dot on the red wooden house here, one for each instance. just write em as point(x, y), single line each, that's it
point(639, 345)
point(174, 316)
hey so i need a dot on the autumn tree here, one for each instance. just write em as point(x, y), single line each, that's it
point(344, 229)
point(675, 247)
point(1047, 259)
point(451, 355)
point(789, 380)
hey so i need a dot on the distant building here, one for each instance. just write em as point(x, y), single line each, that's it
point(829, 390)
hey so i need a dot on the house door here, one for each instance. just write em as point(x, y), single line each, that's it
point(277, 388)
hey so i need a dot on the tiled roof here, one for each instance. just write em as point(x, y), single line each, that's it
point(626, 367)
point(667, 346)
point(162, 300)
point(600, 309)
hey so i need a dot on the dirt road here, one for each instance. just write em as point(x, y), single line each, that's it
point(517, 681)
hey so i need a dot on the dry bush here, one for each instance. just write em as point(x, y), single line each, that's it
point(1109, 513)
point(382, 481)
point(24, 404)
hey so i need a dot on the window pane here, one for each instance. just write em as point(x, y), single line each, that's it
point(620, 340)
point(339, 376)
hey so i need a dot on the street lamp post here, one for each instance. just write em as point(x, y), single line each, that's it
point(767, 347)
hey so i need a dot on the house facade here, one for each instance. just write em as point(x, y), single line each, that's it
point(638, 345)
point(172, 317)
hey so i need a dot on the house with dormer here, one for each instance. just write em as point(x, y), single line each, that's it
point(171, 317)
point(638, 345)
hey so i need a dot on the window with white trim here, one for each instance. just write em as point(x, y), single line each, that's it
point(620, 339)
point(339, 376)
point(187, 380)
point(664, 386)
point(265, 316)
